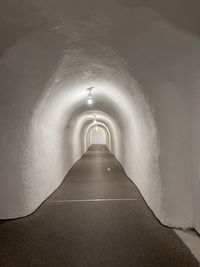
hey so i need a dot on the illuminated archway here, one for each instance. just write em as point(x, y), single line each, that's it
point(98, 135)
point(87, 134)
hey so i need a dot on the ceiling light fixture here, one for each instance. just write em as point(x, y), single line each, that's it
point(95, 119)
point(89, 98)
point(90, 101)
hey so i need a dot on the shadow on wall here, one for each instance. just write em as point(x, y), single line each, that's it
point(182, 13)
point(19, 19)
point(26, 17)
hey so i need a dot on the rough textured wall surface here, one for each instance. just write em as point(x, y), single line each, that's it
point(196, 151)
point(142, 57)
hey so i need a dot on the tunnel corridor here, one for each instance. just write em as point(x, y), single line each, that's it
point(99, 132)
point(97, 217)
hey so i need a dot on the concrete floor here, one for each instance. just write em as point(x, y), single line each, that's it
point(97, 217)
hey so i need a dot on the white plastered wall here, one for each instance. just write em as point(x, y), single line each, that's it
point(53, 51)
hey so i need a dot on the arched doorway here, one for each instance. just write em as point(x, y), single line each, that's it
point(98, 136)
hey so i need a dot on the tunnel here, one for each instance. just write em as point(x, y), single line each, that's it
point(119, 76)
point(98, 135)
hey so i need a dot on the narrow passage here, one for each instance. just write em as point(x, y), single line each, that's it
point(97, 217)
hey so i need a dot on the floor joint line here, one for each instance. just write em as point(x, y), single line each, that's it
point(93, 200)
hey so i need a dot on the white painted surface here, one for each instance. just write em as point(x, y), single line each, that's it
point(196, 151)
point(191, 240)
point(53, 51)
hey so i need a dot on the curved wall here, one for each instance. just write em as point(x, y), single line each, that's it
point(52, 51)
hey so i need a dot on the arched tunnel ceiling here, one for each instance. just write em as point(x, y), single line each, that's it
point(142, 57)
point(84, 120)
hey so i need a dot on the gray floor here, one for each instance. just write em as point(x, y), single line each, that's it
point(109, 225)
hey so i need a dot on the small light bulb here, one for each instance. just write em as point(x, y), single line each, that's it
point(90, 101)
point(95, 121)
